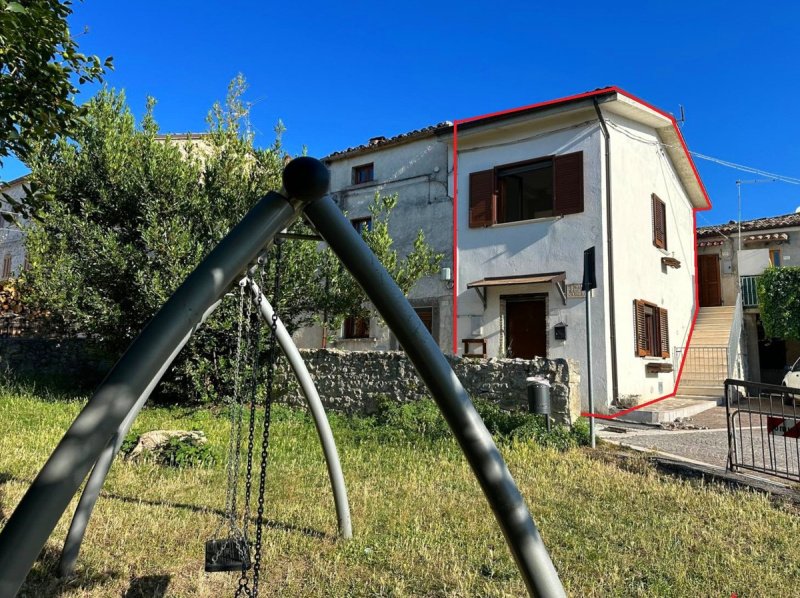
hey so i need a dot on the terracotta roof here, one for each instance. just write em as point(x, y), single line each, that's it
point(766, 238)
point(378, 142)
point(20, 179)
point(768, 223)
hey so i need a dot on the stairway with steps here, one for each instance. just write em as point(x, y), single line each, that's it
point(706, 364)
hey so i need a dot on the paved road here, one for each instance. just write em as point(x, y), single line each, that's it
point(754, 446)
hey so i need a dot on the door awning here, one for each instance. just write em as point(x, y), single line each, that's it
point(506, 281)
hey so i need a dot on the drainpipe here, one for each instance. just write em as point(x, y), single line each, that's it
point(610, 251)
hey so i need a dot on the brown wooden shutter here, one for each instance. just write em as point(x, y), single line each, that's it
point(640, 329)
point(659, 222)
point(568, 184)
point(482, 199)
point(663, 332)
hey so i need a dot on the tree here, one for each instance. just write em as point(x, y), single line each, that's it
point(122, 216)
point(779, 302)
point(39, 65)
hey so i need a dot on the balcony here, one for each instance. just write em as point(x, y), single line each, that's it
point(749, 291)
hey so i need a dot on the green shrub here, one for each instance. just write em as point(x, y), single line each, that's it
point(131, 440)
point(186, 452)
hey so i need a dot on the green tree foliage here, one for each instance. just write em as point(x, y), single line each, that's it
point(40, 67)
point(122, 216)
point(779, 302)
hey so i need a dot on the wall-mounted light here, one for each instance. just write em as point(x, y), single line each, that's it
point(446, 276)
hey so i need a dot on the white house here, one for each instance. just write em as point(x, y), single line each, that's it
point(537, 186)
point(527, 191)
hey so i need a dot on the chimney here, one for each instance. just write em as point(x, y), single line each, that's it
point(376, 140)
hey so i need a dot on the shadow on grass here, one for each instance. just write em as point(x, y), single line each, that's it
point(148, 586)
point(269, 523)
point(43, 578)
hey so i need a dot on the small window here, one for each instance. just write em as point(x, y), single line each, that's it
point(540, 188)
point(362, 224)
point(525, 192)
point(363, 174)
point(659, 222)
point(775, 257)
point(651, 326)
point(7, 266)
point(355, 327)
point(426, 315)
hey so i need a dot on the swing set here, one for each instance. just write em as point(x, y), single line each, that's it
point(241, 258)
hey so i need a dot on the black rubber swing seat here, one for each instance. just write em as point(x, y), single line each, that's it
point(227, 554)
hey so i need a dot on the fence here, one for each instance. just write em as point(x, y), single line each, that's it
point(749, 290)
point(763, 428)
point(703, 364)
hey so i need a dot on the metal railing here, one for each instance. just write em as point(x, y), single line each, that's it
point(734, 340)
point(703, 364)
point(749, 285)
point(763, 428)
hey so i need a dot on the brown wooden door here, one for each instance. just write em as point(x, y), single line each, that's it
point(526, 327)
point(709, 280)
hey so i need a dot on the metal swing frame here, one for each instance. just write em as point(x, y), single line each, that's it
point(93, 437)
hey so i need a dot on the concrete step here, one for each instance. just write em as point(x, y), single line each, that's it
point(669, 410)
point(701, 389)
point(718, 309)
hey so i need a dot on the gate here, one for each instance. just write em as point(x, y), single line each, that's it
point(763, 428)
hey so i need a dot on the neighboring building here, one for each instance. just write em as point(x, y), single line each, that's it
point(12, 236)
point(534, 188)
point(729, 264)
point(414, 166)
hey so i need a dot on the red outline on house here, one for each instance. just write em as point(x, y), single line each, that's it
point(588, 94)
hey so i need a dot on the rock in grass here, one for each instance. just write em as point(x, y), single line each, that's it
point(153, 444)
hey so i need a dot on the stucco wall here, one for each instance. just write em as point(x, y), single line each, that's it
point(417, 172)
point(535, 246)
point(12, 238)
point(640, 167)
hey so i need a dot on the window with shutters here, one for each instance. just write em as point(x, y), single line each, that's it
point(426, 315)
point(540, 188)
point(355, 327)
point(362, 224)
point(7, 266)
point(651, 327)
point(659, 222)
point(364, 173)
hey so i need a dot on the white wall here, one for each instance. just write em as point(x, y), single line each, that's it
point(640, 167)
point(531, 247)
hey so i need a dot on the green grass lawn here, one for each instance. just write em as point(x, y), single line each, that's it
point(421, 524)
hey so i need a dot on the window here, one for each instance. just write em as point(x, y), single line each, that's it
point(775, 257)
point(355, 327)
point(541, 188)
point(426, 315)
point(361, 224)
point(659, 222)
point(363, 174)
point(651, 326)
point(7, 266)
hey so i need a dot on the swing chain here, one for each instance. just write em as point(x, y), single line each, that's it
point(270, 391)
point(253, 329)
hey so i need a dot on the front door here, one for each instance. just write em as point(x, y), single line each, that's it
point(708, 280)
point(526, 328)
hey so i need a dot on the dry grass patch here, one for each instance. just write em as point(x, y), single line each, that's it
point(422, 527)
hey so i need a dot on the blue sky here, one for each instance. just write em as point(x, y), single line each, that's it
point(339, 73)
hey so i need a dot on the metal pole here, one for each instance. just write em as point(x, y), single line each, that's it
point(589, 365)
point(317, 412)
point(36, 515)
point(91, 492)
point(498, 486)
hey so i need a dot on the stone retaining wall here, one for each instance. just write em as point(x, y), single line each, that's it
point(352, 381)
point(73, 357)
